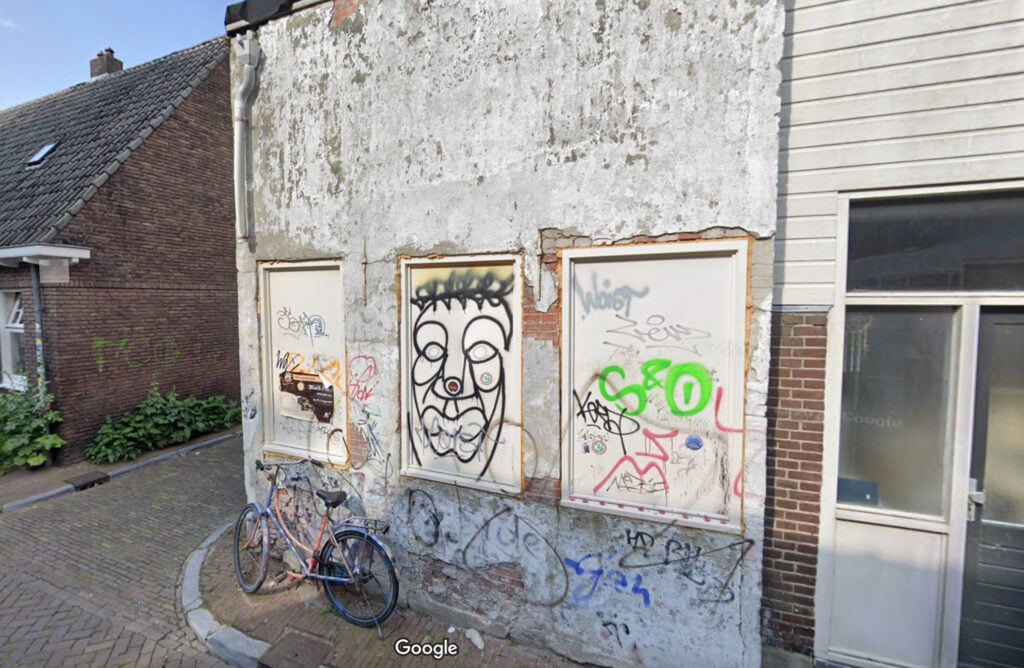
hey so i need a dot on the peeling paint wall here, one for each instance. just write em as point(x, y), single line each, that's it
point(415, 129)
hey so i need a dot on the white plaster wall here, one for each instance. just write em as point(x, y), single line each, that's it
point(453, 127)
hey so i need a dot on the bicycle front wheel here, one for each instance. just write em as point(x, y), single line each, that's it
point(366, 590)
point(251, 548)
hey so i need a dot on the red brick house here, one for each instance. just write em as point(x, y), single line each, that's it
point(116, 249)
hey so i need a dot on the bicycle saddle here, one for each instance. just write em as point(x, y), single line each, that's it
point(332, 499)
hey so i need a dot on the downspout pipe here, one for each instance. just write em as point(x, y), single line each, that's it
point(248, 52)
point(37, 316)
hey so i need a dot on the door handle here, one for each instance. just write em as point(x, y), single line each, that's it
point(975, 498)
point(974, 495)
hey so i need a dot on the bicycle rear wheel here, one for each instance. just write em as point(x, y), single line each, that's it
point(367, 594)
point(251, 548)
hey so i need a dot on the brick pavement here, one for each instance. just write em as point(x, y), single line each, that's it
point(274, 613)
point(90, 579)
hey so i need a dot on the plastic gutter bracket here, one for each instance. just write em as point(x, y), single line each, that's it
point(248, 52)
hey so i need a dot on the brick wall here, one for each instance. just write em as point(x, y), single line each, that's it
point(796, 398)
point(157, 301)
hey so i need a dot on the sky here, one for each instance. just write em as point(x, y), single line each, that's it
point(46, 45)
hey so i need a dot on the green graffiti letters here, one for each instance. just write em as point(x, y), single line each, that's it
point(690, 379)
point(135, 353)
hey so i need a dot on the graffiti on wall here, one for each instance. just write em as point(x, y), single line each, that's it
point(307, 390)
point(461, 366)
point(654, 382)
point(135, 353)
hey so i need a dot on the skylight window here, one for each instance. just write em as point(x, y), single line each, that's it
point(41, 154)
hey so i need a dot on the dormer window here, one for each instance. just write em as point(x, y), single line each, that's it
point(40, 155)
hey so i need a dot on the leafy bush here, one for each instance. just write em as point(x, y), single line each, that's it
point(160, 421)
point(25, 422)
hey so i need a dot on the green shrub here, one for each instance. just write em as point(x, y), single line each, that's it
point(160, 421)
point(25, 422)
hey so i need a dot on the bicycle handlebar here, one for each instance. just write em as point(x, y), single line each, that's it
point(260, 466)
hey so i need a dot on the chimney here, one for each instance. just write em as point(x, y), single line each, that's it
point(104, 63)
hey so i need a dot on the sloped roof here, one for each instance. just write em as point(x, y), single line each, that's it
point(97, 125)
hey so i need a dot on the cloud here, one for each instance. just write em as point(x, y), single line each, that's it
point(8, 24)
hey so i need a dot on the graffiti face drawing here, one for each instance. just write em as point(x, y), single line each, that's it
point(461, 338)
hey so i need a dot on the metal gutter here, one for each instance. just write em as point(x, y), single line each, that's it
point(251, 14)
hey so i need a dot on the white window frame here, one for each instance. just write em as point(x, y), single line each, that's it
point(323, 441)
point(13, 323)
point(734, 254)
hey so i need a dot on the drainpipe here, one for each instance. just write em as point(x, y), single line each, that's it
point(248, 51)
point(37, 310)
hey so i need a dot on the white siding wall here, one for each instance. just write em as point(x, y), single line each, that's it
point(884, 94)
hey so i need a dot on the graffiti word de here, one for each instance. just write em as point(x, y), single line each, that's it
point(135, 353)
point(592, 567)
point(604, 298)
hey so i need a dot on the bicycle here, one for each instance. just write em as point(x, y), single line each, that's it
point(353, 565)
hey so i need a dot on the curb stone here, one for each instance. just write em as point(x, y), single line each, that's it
point(228, 644)
point(116, 473)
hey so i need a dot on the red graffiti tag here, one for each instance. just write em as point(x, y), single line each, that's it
point(362, 380)
point(652, 438)
point(721, 427)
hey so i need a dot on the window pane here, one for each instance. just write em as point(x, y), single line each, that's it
point(1004, 452)
point(894, 437)
point(15, 314)
point(966, 242)
point(17, 359)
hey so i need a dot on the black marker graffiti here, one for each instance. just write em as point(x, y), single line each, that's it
point(461, 335)
point(689, 560)
point(421, 514)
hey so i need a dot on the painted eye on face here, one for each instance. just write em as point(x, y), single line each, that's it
point(433, 351)
point(481, 352)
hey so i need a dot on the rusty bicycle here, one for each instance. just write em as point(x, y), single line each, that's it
point(348, 559)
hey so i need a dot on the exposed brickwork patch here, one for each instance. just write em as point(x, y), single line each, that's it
point(796, 402)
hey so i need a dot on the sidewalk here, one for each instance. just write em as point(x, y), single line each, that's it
point(22, 487)
point(297, 627)
point(276, 627)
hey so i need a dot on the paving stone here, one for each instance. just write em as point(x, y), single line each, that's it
point(90, 578)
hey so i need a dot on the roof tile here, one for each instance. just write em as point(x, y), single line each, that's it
point(96, 125)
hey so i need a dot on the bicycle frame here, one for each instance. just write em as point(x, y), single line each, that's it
point(364, 525)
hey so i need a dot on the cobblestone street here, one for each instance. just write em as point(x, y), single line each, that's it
point(89, 579)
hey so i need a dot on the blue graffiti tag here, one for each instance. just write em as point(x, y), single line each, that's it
point(598, 576)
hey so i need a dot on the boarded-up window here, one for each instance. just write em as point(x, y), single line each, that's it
point(653, 355)
point(462, 371)
point(303, 336)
